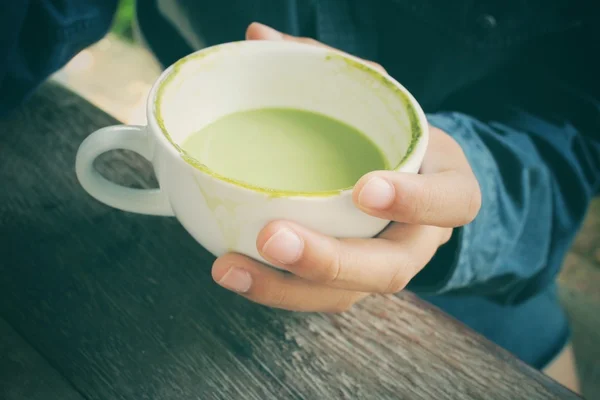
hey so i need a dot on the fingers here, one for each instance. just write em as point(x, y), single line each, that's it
point(257, 31)
point(446, 194)
point(447, 199)
point(328, 275)
point(277, 289)
point(381, 265)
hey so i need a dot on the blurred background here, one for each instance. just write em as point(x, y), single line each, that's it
point(117, 73)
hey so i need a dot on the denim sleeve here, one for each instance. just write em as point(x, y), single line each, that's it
point(537, 177)
point(37, 37)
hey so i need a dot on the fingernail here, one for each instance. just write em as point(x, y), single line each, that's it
point(268, 33)
point(377, 194)
point(236, 279)
point(284, 246)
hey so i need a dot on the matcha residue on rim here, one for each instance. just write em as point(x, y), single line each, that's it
point(334, 184)
point(415, 125)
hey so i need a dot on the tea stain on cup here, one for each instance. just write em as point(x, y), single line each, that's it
point(226, 216)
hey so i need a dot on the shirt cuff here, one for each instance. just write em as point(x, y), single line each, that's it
point(449, 269)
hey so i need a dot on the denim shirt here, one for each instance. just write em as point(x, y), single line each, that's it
point(514, 82)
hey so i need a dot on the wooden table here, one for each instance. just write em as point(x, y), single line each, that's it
point(100, 304)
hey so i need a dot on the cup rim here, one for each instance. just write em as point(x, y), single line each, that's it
point(418, 120)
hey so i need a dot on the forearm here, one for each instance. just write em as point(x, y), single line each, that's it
point(39, 37)
point(536, 179)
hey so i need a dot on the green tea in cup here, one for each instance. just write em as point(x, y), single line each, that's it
point(285, 149)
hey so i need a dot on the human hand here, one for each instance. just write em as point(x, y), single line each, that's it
point(329, 274)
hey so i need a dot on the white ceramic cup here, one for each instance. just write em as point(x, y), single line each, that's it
point(224, 215)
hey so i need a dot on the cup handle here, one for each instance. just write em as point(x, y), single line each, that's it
point(124, 137)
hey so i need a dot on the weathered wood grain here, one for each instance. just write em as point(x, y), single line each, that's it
point(124, 304)
point(24, 374)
